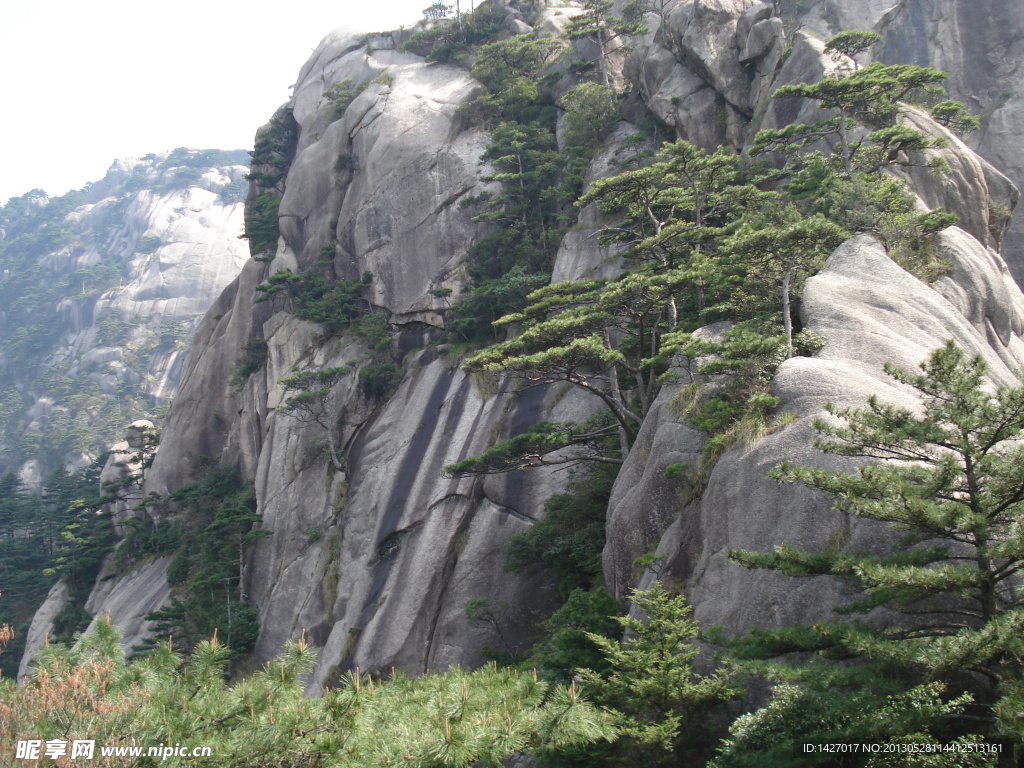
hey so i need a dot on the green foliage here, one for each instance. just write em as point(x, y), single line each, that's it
point(271, 156)
point(597, 24)
point(538, 183)
point(274, 146)
point(486, 299)
point(379, 379)
point(341, 94)
point(534, 447)
point(213, 531)
point(261, 225)
point(455, 40)
point(785, 249)
point(437, 10)
point(254, 358)
point(851, 43)
point(661, 703)
point(43, 538)
point(873, 97)
point(777, 735)
point(591, 113)
point(955, 116)
point(453, 719)
point(947, 479)
point(332, 304)
point(312, 402)
point(569, 539)
point(566, 645)
point(738, 408)
point(143, 538)
point(509, 70)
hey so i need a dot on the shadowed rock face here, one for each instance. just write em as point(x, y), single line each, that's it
point(979, 43)
point(399, 549)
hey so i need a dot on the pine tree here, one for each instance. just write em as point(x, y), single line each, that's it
point(451, 720)
point(650, 682)
point(599, 25)
point(312, 400)
point(784, 252)
point(949, 480)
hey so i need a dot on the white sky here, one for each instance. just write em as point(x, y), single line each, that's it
point(84, 83)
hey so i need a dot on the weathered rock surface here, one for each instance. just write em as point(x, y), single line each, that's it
point(377, 557)
point(127, 600)
point(124, 472)
point(981, 46)
point(163, 230)
point(870, 312)
point(42, 624)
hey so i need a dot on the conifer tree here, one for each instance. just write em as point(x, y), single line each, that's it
point(949, 480)
point(312, 400)
point(868, 96)
point(651, 680)
point(599, 25)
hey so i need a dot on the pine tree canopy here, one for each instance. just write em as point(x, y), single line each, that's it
point(949, 480)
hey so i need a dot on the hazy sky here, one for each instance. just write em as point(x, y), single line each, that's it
point(84, 83)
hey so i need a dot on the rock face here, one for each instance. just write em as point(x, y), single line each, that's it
point(980, 45)
point(148, 249)
point(376, 555)
point(869, 312)
point(376, 559)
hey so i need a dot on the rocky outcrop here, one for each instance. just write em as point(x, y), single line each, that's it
point(870, 312)
point(124, 473)
point(376, 554)
point(708, 67)
point(375, 559)
point(42, 624)
point(981, 47)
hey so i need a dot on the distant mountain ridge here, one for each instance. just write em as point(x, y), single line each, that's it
point(100, 291)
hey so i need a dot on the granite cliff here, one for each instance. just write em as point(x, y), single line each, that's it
point(102, 289)
point(399, 549)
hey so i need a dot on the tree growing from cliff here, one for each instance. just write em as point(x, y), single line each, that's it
point(871, 97)
point(784, 252)
point(593, 335)
point(948, 479)
point(311, 403)
point(598, 24)
point(672, 212)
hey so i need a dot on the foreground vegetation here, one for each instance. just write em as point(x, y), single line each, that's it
point(940, 665)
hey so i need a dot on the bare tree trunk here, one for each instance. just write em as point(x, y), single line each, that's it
point(601, 67)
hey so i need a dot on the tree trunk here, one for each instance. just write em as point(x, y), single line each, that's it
point(241, 568)
point(845, 141)
point(601, 68)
